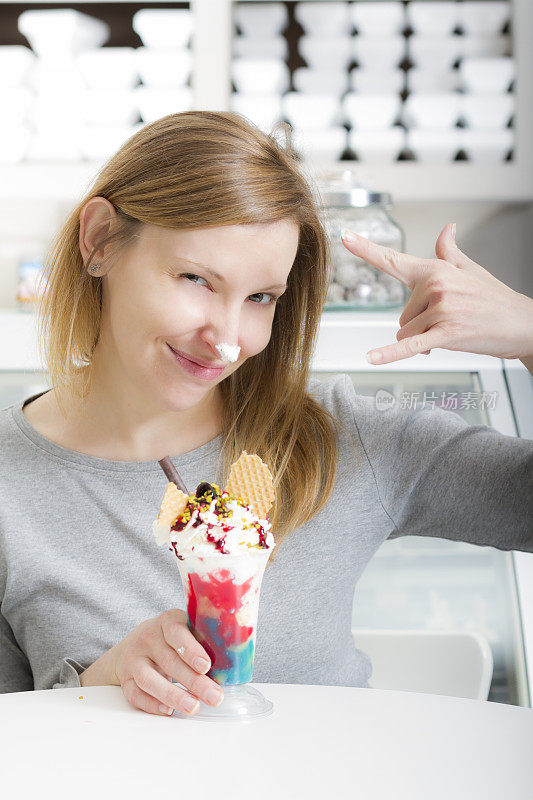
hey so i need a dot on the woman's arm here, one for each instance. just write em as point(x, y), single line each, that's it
point(436, 475)
point(455, 304)
point(15, 670)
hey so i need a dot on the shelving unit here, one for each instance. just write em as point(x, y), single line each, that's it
point(407, 181)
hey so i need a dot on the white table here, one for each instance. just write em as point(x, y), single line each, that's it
point(321, 742)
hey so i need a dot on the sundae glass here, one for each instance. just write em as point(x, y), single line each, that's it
point(222, 541)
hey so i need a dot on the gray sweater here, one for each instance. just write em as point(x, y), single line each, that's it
point(80, 568)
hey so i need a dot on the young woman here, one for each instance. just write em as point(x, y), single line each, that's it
point(202, 230)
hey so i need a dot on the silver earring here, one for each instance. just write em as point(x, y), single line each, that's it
point(94, 269)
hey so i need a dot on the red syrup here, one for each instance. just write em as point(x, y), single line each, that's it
point(217, 629)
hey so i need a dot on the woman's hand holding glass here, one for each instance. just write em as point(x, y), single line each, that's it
point(455, 303)
point(157, 651)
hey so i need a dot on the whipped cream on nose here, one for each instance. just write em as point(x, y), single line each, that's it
point(228, 352)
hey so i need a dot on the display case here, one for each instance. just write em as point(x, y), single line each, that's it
point(430, 583)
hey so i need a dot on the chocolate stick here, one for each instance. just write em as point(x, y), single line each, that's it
point(172, 473)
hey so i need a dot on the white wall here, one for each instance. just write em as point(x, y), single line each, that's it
point(496, 236)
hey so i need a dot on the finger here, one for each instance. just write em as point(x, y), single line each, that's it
point(407, 347)
point(419, 324)
point(165, 693)
point(401, 334)
point(404, 267)
point(446, 248)
point(417, 303)
point(144, 701)
point(410, 328)
point(200, 686)
point(424, 352)
point(178, 637)
point(162, 672)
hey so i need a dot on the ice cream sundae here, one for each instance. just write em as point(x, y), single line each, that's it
point(222, 540)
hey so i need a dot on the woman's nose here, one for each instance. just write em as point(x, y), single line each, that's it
point(224, 329)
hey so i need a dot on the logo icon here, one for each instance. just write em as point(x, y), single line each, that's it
point(384, 400)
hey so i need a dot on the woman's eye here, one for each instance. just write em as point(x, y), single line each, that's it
point(194, 278)
point(263, 295)
point(264, 299)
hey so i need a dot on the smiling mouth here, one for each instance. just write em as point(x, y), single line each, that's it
point(198, 363)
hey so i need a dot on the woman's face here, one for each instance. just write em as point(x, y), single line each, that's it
point(163, 295)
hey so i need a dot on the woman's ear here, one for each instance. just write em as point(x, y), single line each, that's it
point(96, 218)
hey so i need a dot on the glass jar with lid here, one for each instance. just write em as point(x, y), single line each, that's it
point(356, 284)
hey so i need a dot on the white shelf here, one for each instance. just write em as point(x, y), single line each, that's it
point(407, 181)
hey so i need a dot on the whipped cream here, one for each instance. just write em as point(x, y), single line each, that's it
point(228, 352)
point(209, 532)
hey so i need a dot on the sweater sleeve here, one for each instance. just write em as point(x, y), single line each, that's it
point(15, 670)
point(436, 475)
point(69, 674)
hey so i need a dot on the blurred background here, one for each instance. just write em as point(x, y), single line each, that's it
point(406, 115)
point(425, 103)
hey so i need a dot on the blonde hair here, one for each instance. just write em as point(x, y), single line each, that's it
point(204, 169)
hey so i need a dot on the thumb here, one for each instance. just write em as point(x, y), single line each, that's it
point(447, 250)
point(446, 246)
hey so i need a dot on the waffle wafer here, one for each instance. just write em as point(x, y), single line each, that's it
point(173, 503)
point(251, 479)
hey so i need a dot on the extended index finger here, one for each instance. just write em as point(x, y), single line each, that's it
point(403, 266)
